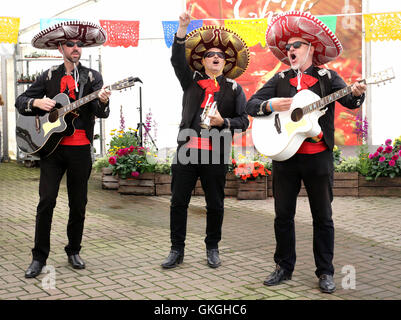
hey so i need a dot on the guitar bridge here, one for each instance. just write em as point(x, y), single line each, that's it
point(37, 124)
point(277, 123)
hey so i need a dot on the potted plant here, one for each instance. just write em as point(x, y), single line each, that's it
point(382, 176)
point(252, 171)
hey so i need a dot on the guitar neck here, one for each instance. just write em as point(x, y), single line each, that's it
point(328, 99)
point(76, 104)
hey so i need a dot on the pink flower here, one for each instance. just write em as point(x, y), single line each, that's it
point(399, 153)
point(135, 174)
point(388, 142)
point(122, 152)
point(112, 160)
point(382, 159)
point(376, 154)
point(391, 163)
point(131, 148)
point(388, 149)
point(371, 156)
point(395, 157)
point(380, 149)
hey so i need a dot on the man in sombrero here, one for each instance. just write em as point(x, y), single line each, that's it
point(73, 154)
point(303, 42)
point(205, 62)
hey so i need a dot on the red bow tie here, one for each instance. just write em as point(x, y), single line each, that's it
point(307, 81)
point(67, 82)
point(211, 86)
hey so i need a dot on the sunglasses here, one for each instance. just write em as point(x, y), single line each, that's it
point(213, 53)
point(71, 44)
point(296, 45)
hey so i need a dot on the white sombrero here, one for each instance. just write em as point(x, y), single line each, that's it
point(303, 25)
point(202, 39)
point(89, 33)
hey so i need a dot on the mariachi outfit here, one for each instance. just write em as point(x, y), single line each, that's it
point(313, 163)
point(73, 154)
point(207, 161)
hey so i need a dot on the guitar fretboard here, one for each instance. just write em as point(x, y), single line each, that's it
point(76, 104)
point(328, 99)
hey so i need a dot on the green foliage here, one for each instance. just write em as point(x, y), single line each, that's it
point(122, 139)
point(364, 163)
point(100, 163)
point(349, 164)
point(336, 155)
point(164, 168)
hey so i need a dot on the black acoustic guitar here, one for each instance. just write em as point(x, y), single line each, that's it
point(40, 135)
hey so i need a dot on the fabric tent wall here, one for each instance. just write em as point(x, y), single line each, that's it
point(385, 107)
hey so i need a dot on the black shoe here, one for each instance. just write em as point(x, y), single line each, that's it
point(34, 269)
point(213, 259)
point(326, 283)
point(278, 276)
point(174, 258)
point(76, 261)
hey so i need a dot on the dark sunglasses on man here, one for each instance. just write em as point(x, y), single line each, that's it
point(296, 45)
point(213, 53)
point(71, 44)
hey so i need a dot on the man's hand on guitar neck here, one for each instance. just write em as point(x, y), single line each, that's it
point(45, 104)
point(278, 104)
point(104, 95)
point(358, 88)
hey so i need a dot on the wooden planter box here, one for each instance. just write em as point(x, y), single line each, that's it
point(344, 184)
point(252, 190)
point(162, 184)
point(381, 187)
point(109, 181)
point(143, 185)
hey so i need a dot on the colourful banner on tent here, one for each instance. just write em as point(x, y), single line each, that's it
point(329, 21)
point(48, 22)
point(252, 31)
point(382, 26)
point(171, 27)
point(121, 33)
point(9, 28)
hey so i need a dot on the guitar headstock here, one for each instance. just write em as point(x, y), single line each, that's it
point(125, 83)
point(382, 76)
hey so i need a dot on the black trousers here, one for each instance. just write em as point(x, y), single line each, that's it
point(184, 178)
point(316, 171)
point(77, 162)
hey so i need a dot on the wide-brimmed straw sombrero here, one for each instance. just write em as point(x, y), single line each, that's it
point(303, 25)
point(89, 33)
point(202, 39)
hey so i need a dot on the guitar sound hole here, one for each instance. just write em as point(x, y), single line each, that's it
point(297, 114)
point(53, 115)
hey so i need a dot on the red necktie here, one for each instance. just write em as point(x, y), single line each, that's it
point(211, 86)
point(307, 81)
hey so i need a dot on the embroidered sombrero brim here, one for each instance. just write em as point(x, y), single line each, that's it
point(236, 51)
point(303, 25)
point(89, 33)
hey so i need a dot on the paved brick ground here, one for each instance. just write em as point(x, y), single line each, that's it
point(127, 237)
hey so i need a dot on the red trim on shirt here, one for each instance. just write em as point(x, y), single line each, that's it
point(199, 143)
point(79, 138)
point(311, 148)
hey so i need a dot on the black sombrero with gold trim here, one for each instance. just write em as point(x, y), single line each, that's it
point(202, 39)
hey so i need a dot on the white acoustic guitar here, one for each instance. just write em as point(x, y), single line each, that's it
point(280, 134)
